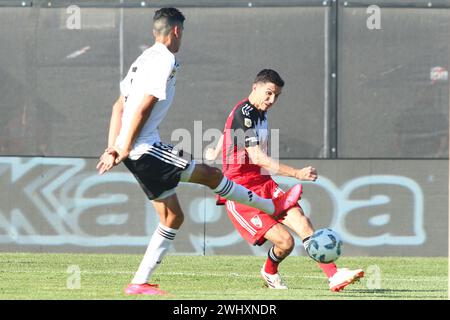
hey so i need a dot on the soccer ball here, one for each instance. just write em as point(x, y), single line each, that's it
point(325, 246)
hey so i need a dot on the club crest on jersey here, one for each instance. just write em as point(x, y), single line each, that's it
point(256, 221)
point(174, 71)
point(248, 122)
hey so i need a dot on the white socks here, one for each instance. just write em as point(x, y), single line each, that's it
point(232, 191)
point(157, 248)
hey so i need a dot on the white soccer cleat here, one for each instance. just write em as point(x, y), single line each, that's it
point(343, 277)
point(273, 281)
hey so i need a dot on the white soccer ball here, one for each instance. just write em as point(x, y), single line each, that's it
point(325, 245)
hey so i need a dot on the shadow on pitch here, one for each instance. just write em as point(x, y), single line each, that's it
point(390, 290)
point(396, 293)
point(387, 293)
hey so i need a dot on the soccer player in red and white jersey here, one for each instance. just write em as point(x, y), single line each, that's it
point(246, 162)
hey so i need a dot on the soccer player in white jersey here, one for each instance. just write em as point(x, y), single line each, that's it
point(146, 95)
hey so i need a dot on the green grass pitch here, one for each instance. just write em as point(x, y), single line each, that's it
point(104, 276)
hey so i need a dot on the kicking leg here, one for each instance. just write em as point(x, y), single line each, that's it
point(214, 179)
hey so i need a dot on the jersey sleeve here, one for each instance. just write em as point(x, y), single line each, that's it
point(244, 127)
point(125, 85)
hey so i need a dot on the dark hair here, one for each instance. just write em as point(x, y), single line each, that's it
point(173, 15)
point(269, 75)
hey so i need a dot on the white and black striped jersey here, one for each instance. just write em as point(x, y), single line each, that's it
point(152, 73)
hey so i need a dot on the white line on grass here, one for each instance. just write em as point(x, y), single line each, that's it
point(232, 274)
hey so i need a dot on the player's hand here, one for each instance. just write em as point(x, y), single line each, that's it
point(122, 154)
point(307, 174)
point(210, 154)
point(107, 160)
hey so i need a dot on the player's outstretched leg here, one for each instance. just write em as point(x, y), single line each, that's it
point(287, 200)
point(225, 188)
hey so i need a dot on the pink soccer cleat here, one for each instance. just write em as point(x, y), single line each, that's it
point(287, 200)
point(145, 288)
point(343, 277)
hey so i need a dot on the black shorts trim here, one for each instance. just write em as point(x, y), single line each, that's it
point(160, 169)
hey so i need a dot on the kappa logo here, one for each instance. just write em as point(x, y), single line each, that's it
point(67, 196)
point(256, 221)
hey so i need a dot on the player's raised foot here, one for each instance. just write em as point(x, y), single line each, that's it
point(146, 288)
point(273, 281)
point(343, 277)
point(287, 200)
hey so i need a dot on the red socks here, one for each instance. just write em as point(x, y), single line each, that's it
point(272, 262)
point(328, 268)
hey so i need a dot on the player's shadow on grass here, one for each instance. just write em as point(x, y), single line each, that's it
point(387, 293)
point(391, 290)
point(357, 290)
point(394, 293)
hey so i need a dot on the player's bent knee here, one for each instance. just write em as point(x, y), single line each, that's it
point(289, 244)
point(286, 243)
point(296, 210)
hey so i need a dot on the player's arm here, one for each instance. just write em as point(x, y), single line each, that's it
point(137, 122)
point(247, 121)
point(107, 159)
point(260, 158)
point(116, 121)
